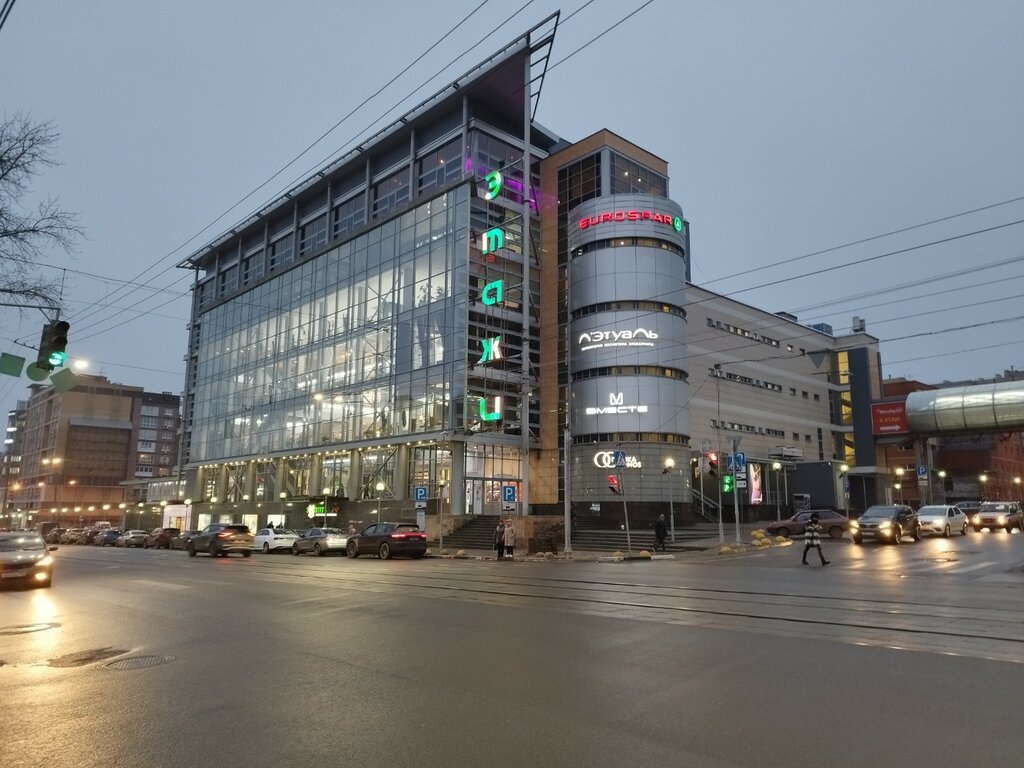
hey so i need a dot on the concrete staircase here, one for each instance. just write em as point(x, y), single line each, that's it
point(477, 533)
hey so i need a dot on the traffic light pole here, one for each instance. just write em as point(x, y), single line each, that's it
point(735, 490)
point(625, 511)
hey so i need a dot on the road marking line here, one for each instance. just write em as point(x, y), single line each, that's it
point(161, 584)
point(974, 567)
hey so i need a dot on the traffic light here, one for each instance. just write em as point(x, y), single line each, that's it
point(613, 485)
point(52, 345)
point(728, 484)
point(712, 463)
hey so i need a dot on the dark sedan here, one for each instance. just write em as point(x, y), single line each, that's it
point(106, 538)
point(320, 541)
point(221, 539)
point(832, 523)
point(160, 538)
point(181, 540)
point(388, 539)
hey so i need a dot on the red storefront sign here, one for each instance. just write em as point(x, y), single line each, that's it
point(657, 218)
point(889, 418)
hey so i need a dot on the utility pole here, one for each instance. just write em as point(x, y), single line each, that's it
point(718, 397)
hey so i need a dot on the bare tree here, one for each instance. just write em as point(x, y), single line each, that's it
point(26, 148)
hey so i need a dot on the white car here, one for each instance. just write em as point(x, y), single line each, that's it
point(272, 539)
point(943, 519)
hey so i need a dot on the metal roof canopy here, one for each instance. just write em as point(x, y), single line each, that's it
point(996, 407)
point(496, 82)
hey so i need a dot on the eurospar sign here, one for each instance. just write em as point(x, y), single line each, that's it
point(632, 215)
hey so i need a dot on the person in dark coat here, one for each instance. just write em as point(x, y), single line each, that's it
point(812, 538)
point(660, 534)
point(499, 539)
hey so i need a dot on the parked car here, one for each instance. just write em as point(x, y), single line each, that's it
point(70, 536)
point(106, 538)
point(133, 538)
point(86, 536)
point(25, 559)
point(221, 539)
point(832, 523)
point(269, 540)
point(886, 522)
point(160, 538)
point(970, 508)
point(53, 537)
point(181, 540)
point(388, 539)
point(998, 514)
point(942, 518)
point(320, 541)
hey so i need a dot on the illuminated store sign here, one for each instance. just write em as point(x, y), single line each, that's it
point(606, 460)
point(658, 218)
point(492, 349)
point(639, 337)
point(615, 406)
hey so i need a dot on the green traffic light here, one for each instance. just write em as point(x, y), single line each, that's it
point(57, 359)
point(727, 484)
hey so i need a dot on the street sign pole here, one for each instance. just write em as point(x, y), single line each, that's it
point(735, 487)
point(625, 512)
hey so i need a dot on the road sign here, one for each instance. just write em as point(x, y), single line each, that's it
point(620, 459)
point(508, 507)
point(922, 472)
point(508, 493)
point(741, 460)
point(420, 493)
point(705, 445)
point(737, 462)
point(421, 505)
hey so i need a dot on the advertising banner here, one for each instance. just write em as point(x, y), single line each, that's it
point(889, 418)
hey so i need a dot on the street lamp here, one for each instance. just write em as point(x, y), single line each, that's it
point(669, 465)
point(380, 490)
point(898, 485)
point(843, 470)
point(139, 524)
point(1016, 482)
point(777, 467)
point(983, 478)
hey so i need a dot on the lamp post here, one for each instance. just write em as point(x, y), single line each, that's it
point(1016, 483)
point(380, 492)
point(898, 485)
point(139, 523)
point(777, 467)
point(670, 463)
point(942, 482)
point(983, 478)
point(843, 470)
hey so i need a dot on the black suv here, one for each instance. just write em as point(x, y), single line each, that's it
point(221, 539)
point(886, 522)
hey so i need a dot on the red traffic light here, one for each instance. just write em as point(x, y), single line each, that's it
point(712, 457)
point(712, 463)
point(613, 485)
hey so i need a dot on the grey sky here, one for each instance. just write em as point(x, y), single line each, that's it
point(789, 127)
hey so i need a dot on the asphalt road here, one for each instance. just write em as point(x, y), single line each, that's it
point(892, 656)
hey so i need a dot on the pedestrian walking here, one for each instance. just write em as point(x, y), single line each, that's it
point(812, 538)
point(660, 534)
point(510, 538)
point(499, 539)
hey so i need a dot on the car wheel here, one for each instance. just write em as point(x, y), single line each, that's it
point(211, 551)
point(246, 553)
point(45, 584)
point(295, 549)
point(191, 550)
point(916, 533)
point(385, 551)
point(897, 535)
point(945, 532)
point(783, 532)
point(1009, 529)
point(351, 550)
point(836, 532)
point(977, 529)
point(318, 551)
point(266, 548)
point(858, 539)
point(963, 531)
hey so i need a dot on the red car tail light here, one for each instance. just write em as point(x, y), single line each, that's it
point(223, 534)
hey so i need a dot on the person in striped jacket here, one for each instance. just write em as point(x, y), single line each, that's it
point(812, 538)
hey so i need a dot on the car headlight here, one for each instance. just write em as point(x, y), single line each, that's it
point(885, 524)
point(976, 519)
point(854, 524)
point(1002, 519)
point(46, 561)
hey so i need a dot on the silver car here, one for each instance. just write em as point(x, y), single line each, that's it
point(320, 541)
point(942, 519)
point(25, 559)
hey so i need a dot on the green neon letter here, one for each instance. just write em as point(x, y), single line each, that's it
point(492, 240)
point(494, 415)
point(492, 349)
point(677, 224)
point(493, 180)
point(491, 294)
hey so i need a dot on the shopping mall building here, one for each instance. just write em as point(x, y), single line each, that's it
point(388, 336)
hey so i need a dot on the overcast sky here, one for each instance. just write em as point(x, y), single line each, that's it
point(789, 128)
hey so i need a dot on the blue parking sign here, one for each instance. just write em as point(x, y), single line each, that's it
point(420, 493)
point(508, 493)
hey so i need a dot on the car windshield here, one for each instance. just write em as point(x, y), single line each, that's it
point(406, 527)
point(332, 531)
point(932, 511)
point(881, 512)
point(988, 507)
point(21, 543)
